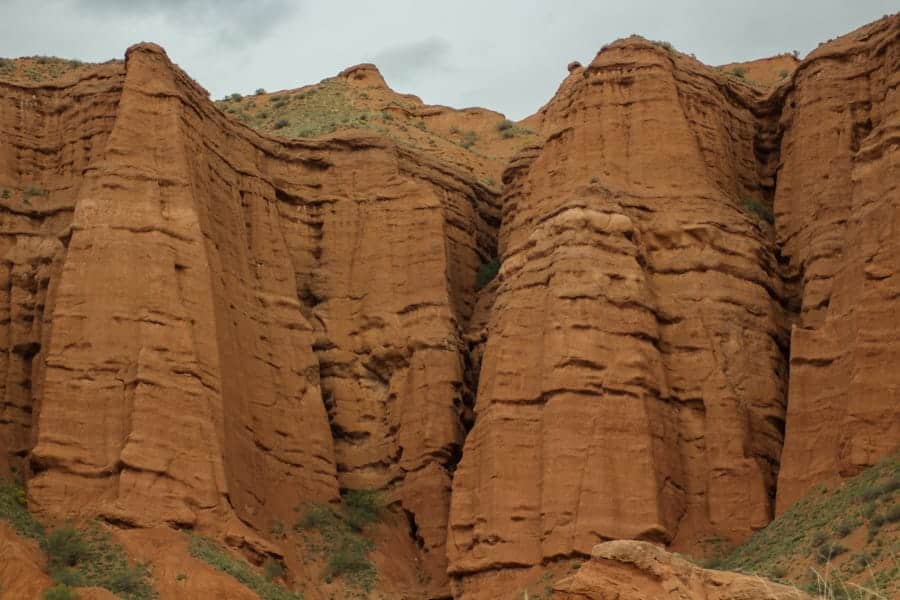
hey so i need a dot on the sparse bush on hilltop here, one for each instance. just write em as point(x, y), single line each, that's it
point(469, 139)
point(505, 125)
point(260, 91)
point(667, 46)
point(739, 72)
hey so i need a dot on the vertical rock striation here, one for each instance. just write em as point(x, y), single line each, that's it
point(632, 384)
point(695, 320)
point(213, 327)
point(837, 209)
point(48, 136)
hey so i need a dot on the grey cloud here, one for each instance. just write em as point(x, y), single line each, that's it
point(239, 21)
point(508, 55)
point(404, 63)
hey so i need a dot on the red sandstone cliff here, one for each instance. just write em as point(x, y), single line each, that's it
point(695, 320)
point(837, 211)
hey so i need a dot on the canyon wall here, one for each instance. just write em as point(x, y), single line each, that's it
point(632, 384)
point(209, 328)
point(837, 209)
point(694, 322)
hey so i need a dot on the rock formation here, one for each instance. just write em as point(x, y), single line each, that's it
point(695, 318)
point(837, 210)
point(627, 570)
point(208, 343)
point(632, 382)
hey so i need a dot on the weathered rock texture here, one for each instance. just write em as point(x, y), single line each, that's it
point(635, 377)
point(48, 136)
point(632, 383)
point(627, 570)
point(837, 208)
point(206, 327)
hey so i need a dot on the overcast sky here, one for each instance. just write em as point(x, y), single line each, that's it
point(509, 55)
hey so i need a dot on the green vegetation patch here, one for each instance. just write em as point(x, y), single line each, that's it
point(40, 67)
point(77, 556)
point(340, 541)
point(14, 511)
point(814, 527)
point(319, 111)
point(60, 591)
point(667, 46)
point(89, 558)
point(218, 557)
point(486, 272)
point(757, 208)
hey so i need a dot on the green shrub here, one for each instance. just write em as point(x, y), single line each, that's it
point(14, 511)
point(260, 91)
point(667, 46)
point(893, 514)
point(235, 97)
point(349, 559)
point(486, 272)
point(88, 557)
point(818, 539)
point(754, 206)
point(362, 507)
point(5, 194)
point(739, 72)
point(272, 568)
point(342, 545)
point(278, 530)
point(783, 74)
point(281, 124)
point(505, 125)
point(844, 528)
point(35, 190)
point(60, 591)
point(66, 547)
point(469, 139)
point(827, 552)
point(214, 555)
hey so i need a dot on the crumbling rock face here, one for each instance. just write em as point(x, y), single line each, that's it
point(628, 570)
point(49, 136)
point(205, 328)
point(219, 327)
point(632, 384)
point(837, 211)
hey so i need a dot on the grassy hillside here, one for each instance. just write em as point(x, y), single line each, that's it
point(842, 542)
point(37, 69)
point(478, 140)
